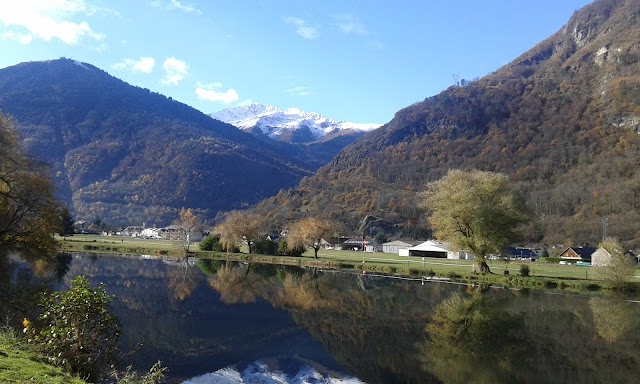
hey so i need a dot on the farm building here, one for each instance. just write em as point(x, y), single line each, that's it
point(395, 246)
point(432, 248)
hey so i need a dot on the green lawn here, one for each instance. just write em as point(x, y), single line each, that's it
point(19, 363)
point(380, 262)
point(121, 244)
point(442, 266)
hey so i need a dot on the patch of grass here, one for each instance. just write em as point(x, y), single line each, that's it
point(453, 275)
point(22, 364)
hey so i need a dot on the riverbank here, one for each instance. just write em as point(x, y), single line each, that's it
point(540, 275)
point(20, 363)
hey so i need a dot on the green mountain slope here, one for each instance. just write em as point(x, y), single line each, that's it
point(562, 121)
point(126, 155)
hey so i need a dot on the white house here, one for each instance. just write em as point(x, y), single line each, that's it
point(373, 246)
point(150, 233)
point(600, 258)
point(133, 231)
point(177, 232)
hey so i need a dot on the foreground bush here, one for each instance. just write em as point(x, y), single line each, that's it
point(76, 330)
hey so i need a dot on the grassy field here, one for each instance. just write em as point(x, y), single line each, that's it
point(19, 363)
point(569, 275)
point(121, 244)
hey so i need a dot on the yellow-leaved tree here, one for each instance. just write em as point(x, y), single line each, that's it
point(476, 211)
point(240, 226)
point(310, 231)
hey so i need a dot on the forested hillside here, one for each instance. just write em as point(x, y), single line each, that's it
point(562, 121)
point(124, 155)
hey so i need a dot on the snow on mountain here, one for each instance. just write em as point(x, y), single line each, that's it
point(259, 372)
point(280, 124)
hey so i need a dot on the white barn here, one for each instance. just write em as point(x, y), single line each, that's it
point(432, 248)
point(395, 246)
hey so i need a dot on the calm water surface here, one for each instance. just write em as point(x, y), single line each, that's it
point(271, 324)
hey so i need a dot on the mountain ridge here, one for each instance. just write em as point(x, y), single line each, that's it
point(289, 125)
point(125, 155)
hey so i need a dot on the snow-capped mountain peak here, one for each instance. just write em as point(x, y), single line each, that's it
point(286, 124)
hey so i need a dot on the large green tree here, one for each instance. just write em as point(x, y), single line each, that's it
point(476, 211)
point(67, 227)
point(29, 214)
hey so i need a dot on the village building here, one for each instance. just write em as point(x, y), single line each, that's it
point(395, 246)
point(353, 245)
point(578, 254)
point(519, 253)
point(150, 233)
point(602, 258)
point(132, 230)
point(373, 246)
point(432, 248)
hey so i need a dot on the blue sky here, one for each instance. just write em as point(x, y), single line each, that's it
point(350, 60)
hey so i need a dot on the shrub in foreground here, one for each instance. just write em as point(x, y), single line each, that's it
point(76, 330)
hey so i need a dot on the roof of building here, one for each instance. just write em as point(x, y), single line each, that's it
point(519, 251)
point(584, 252)
point(431, 246)
point(398, 243)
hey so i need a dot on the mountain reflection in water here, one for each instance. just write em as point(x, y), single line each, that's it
point(285, 322)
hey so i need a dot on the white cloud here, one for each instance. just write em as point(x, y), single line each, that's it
point(298, 91)
point(349, 25)
point(174, 71)
point(175, 5)
point(23, 39)
point(302, 29)
point(47, 20)
point(213, 92)
point(142, 65)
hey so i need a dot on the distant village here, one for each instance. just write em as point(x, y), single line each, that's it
point(578, 255)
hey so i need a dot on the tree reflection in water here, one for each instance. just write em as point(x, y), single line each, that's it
point(529, 339)
point(23, 280)
point(182, 280)
point(380, 330)
point(473, 339)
